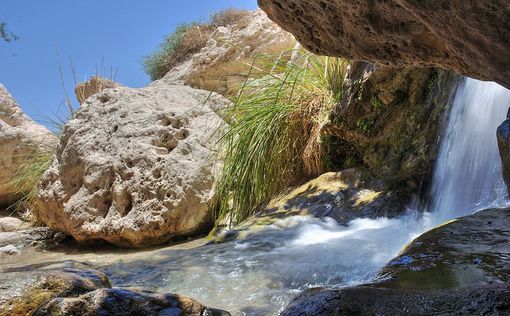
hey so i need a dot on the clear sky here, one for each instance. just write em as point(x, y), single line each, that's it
point(121, 31)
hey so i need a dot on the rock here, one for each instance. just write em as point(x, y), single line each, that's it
point(93, 86)
point(125, 302)
point(460, 267)
point(134, 167)
point(389, 120)
point(25, 288)
point(503, 135)
point(343, 196)
point(9, 250)
point(451, 35)
point(472, 250)
point(364, 300)
point(20, 137)
point(230, 51)
point(41, 237)
point(12, 224)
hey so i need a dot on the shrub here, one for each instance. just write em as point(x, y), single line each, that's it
point(185, 41)
point(276, 129)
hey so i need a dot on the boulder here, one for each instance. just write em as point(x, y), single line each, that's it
point(503, 136)
point(20, 138)
point(92, 86)
point(24, 289)
point(460, 267)
point(126, 302)
point(134, 167)
point(222, 64)
point(447, 34)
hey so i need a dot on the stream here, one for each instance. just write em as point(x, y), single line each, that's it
point(261, 274)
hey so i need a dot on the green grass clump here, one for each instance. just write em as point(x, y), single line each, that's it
point(275, 130)
point(25, 181)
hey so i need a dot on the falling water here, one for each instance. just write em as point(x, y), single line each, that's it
point(468, 175)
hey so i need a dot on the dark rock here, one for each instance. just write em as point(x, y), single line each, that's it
point(366, 300)
point(459, 268)
point(467, 36)
point(473, 250)
point(503, 135)
point(125, 302)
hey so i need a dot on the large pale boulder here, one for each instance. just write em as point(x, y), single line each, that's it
point(134, 167)
point(20, 137)
point(467, 36)
point(94, 85)
point(229, 52)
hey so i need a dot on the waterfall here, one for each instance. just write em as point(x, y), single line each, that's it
point(468, 174)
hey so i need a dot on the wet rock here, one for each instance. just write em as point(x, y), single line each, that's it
point(126, 302)
point(503, 135)
point(472, 250)
point(134, 167)
point(365, 300)
point(458, 268)
point(20, 138)
point(343, 196)
point(94, 85)
point(41, 237)
point(24, 289)
point(451, 35)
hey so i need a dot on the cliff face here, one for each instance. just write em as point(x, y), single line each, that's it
point(467, 36)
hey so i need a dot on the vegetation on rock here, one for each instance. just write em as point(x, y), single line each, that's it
point(277, 129)
point(186, 40)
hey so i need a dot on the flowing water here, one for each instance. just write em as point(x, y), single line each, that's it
point(259, 275)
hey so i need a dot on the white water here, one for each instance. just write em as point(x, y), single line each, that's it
point(468, 175)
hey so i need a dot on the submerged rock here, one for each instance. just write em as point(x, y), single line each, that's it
point(134, 167)
point(73, 288)
point(461, 267)
point(20, 139)
point(451, 35)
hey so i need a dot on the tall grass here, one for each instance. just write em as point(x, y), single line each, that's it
point(25, 181)
point(277, 129)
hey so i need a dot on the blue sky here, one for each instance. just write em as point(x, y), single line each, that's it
point(121, 31)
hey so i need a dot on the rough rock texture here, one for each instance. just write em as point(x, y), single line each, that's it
point(125, 302)
point(24, 289)
point(20, 137)
point(230, 51)
point(503, 135)
point(391, 120)
point(92, 86)
point(459, 268)
point(134, 167)
point(467, 36)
